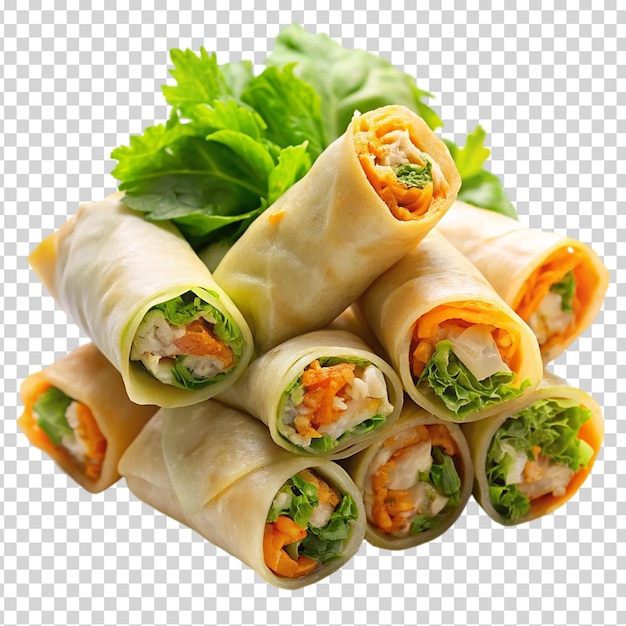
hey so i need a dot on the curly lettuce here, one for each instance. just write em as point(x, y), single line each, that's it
point(552, 425)
point(460, 391)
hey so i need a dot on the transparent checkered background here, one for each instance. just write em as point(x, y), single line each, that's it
point(74, 84)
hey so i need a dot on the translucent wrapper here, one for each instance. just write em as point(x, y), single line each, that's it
point(317, 248)
point(86, 376)
point(480, 434)
point(434, 285)
point(107, 266)
point(362, 468)
point(523, 263)
point(218, 471)
point(262, 390)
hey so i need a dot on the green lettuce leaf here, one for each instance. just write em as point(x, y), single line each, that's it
point(413, 175)
point(566, 288)
point(327, 543)
point(443, 475)
point(479, 186)
point(552, 425)
point(347, 80)
point(302, 500)
point(182, 309)
point(219, 162)
point(290, 108)
point(459, 389)
point(422, 523)
point(50, 411)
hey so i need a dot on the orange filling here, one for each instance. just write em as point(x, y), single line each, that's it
point(538, 284)
point(199, 340)
point(285, 531)
point(373, 134)
point(321, 386)
point(87, 430)
point(389, 504)
point(458, 317)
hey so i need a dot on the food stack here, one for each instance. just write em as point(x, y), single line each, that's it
point(367, 352)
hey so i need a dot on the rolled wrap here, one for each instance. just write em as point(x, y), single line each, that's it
point(322, 242)
point(107, 266)
point(87, 377)
point(262, 390)
point(522, 264)
point(480, 434)
point(435, 279)
point(217, 471)
point(364, 465)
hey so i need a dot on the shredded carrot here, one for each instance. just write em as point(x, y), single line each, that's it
point(373, 133)
point(321, 386)
point(459, 316)
point(390, 504)
point(538, 284)
point(87, 430)
point(96, 444)
point(199, 340)
point(274, 540)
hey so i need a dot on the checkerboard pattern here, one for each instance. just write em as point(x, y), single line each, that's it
point(75, 83)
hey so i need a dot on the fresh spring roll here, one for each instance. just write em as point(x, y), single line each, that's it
point(77, 412)
point(555, 283)
point(530, 461)
point(415, 480)
point(148, 303)
point(324, 392)
point(460, 350)
point(292, 519)
point(368, 198)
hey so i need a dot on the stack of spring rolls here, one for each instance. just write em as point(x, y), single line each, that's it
point(348, 371)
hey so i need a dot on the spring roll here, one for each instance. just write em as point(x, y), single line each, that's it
point(292, 519)
point(415, 480)
point(368, 198)
point(460, 350)
point(532, 460)
point(139, 291)
point(78, 413)
point(321, 393)
point(555, 283)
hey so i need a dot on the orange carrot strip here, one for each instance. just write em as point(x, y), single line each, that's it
point(461, 315)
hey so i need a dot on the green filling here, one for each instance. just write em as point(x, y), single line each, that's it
point(326, 443)
point(413, 175)
point(550, 424)
point(180, 311)
point(461, 392)
point(50, 410)
point(566, 288)
point(320, 544)
point(445, 479)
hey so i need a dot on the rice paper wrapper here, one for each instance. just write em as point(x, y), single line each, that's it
point(435, 273)
point(107, 266)
point(157, 468)
point(86, 376)
point(261, 389)
point(359, 467)
point(480, 434)
point(319, 246)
